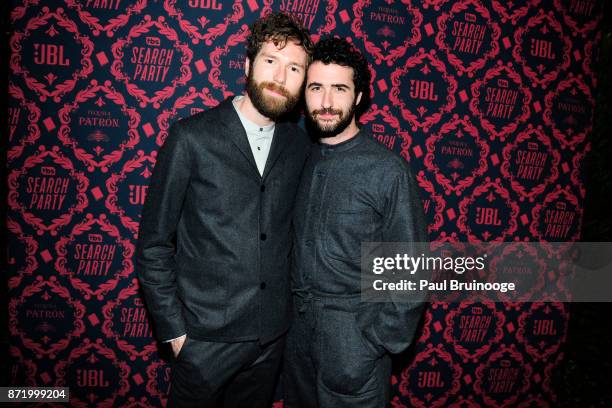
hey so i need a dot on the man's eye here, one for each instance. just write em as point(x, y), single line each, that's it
point(269, 61)
point(295, 69)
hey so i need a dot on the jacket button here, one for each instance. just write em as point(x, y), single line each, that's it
point(262, 285)
point(262, 237)
point(262, 188)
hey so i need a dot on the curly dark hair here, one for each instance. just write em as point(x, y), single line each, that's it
point(332, 50)
point(279, 28)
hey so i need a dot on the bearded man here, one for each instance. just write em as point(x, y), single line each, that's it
point(214, 239)
point(352, 190)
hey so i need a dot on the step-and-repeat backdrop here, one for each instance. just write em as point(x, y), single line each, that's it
point(491, 102)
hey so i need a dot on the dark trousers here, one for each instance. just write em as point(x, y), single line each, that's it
point(328, 362)
point(232, 375)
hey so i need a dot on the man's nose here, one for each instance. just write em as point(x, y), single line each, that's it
point(327, 101)
point(280, 75)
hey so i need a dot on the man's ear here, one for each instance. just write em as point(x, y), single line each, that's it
point(358, 98)
point(247, 64)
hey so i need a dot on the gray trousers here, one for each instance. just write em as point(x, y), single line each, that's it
point(231, 375)
point(328, 363)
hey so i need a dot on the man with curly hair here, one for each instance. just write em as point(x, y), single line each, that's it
point(352, 190)
point(214, 239)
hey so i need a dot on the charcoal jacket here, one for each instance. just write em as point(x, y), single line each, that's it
point(350, 193)
point(214, 241)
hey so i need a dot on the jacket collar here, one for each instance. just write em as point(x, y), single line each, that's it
point(237, 134)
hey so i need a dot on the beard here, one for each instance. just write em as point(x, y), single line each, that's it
point(330, 129)
point(271, 107)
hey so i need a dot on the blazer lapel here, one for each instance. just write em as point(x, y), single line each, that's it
point(280, 141)
point(236, 132)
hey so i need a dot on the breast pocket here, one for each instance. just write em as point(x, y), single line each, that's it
point(345, 231)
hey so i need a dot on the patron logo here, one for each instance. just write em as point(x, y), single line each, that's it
point(386, 129)
point(45, 316)
point(152, 57)
point(127, 322)
point(569, 111)
point(542, 49)
point(237, 64)
point(220, 59)
point(235, 72)
point(473, 328)
point(47, 190)
point(582, 16)
point(558, 218)
point(127, 190)
point(542, 328)
point(468, 35)
point(95, 374)
point(94, 256)
point(488, 214)
point(530, 163)
point(423, 90)
point(522, 264)
point(503, 378)
point(91, 123)
point(456, 155)
point(23, 117)
point(392, 28)
point(106, 15)
point(500, 101)
point(205, 20)
point(50, 68)
point(430, 379)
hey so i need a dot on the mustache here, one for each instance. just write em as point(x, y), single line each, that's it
point(276, 88)
point(327, 111)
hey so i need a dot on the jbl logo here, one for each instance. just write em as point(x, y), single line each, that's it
point(50, 54)
point(422, 90)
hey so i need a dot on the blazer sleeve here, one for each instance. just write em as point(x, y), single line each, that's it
point(156, 247)
point(392, 325)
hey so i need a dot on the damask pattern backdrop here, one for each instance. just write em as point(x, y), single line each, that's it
point(491, 102)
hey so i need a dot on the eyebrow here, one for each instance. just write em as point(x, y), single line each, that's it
point(267, 55)
point(344, 86)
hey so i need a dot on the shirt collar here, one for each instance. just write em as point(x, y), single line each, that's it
point(343, 146)
point(249, 126)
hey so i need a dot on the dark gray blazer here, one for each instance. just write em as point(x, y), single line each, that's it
point(214, 240)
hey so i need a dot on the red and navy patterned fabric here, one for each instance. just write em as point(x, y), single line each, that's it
point(491, 103)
